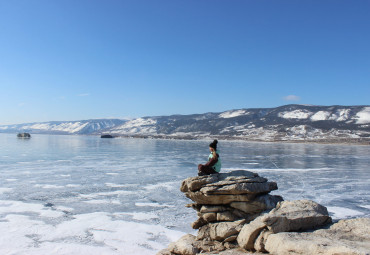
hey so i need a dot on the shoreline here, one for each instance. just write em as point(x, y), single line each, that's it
point(335, 141)
point(324, 141)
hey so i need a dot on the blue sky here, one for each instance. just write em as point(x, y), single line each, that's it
point(82, 59)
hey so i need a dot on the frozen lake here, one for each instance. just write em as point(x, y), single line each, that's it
point(87, 195)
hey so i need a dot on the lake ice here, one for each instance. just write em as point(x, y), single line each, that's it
point(86, 195)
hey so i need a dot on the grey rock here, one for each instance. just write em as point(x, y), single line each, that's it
point(211, 246)
point(259, 204)
point(220, 231)
point(198, 223)
point(227, 216)
point(206, 199)
point(296, 215)
point(217, 208)
point(197, 182)
point(259, 244)
point(233, 251)
point(250, 232)
point(186, 245)
point(345, 237)
point(240, 188)
point(231, 238)
point(238, 179)
point(209, 217)
point(164, 252)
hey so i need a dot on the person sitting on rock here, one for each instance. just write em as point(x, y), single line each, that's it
point(213, 166)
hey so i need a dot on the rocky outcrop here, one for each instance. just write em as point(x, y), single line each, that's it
point(228, 197)
point(237, 215)
point(345, 237)
point(224, 203)
point(288, 216)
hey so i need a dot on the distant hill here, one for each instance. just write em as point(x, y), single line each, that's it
point(82, 127)
point(284, 123)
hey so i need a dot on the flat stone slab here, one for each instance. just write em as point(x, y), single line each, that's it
point(259, 204)
point(206, 199)
point(197, 182)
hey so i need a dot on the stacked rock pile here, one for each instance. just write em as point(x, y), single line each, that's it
point(225, 202)
point(227, 197)
point(236, 213)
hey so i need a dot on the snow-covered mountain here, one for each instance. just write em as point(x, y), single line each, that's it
point(284, 123)
point(289, 122)
point(65, 127)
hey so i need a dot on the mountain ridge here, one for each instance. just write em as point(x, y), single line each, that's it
point(283, 123)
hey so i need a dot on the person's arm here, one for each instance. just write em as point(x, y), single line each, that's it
point(212, 161)
point(214, 154)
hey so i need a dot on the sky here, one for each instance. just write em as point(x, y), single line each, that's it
point(88, 59)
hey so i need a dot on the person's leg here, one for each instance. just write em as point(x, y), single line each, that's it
point(205, 170)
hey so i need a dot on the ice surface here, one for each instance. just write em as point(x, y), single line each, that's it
point(48, 186)
point(7, 206)
point(342, 212)
point(103, 201)
point(86, 195)
point(5, 190)
point(102, 233)
point(140, 215)
point(153, 205)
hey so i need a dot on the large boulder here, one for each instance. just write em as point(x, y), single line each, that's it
point(287, 216)
point(345, 237)
point(296, 215)
point(186, 245)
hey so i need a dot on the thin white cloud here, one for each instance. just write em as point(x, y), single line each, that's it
point(21, 104)
point(84, 95)
point(292, 98)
